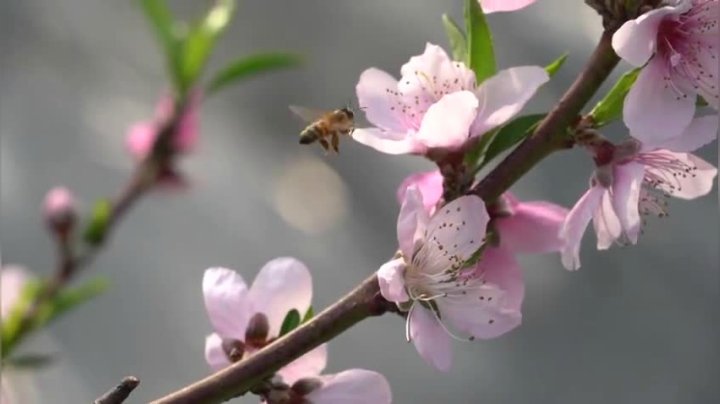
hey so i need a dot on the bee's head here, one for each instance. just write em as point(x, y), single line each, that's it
point(347, 112)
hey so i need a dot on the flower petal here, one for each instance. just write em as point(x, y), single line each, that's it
point(12, 281)
point(695, 184)
point(606, 223)
point(454, 234)
point(376, 96)
point(281, 285)
point(433, 73)
point(494, 6)
point(388, 142)
point(430, 184)
point(626, 198)
point(430, 339)
point(447, 122)
point(188, 129)
point(481, 314)
point(575, 224)
point(140, 139)
point(533, 227)
point(412, 222)
point(226, 302)
point(309, 365)
point(392, 283)
point(214, 353)
point(498, 266)
point(702, 130)
point(354, 386)
point(636, 40)
point(653, 111)
point(502, 96)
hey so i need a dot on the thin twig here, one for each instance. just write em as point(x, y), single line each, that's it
point(119, 393)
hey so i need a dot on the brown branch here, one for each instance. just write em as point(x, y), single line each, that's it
point(551, 134)
point(119, 393)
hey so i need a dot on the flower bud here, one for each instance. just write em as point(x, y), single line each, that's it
point(234, 349)
point(306, 386)
point(59, 210)
point(257, 330)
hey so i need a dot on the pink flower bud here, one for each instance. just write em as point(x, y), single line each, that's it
point(59, 210)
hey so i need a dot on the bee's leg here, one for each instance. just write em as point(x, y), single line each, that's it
point(325, 145)
point(336, 142)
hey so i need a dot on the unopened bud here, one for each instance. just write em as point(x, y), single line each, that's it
point(257, 330)
point(234, 349)
point(59, 210)
point(306, 386)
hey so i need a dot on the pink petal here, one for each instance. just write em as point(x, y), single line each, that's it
point(454, 233)
point(502, 96)
point(188, 129)
point(388, 142)
point(354, 386)
point(702, 130)
point(626, 197)
point(281, 285)
point(392, 283)
point(652, 111)
point(226, 302)
point(430, 184)
point(447, 123)
point(482, 314)
point(494, 6)
point(373, 97)
point(214, 353)
point(698, 183)
point(499, 267)
point(434, 67)
point(12, 281)
point(430, 339)
point(606, 223)
point(141, 139)
point(636, 40)
point(308, 365)
point(412, 222)
point(532, 228)
point(165, 108)
point(575, 224)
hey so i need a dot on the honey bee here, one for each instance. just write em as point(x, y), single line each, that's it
point(324, 125)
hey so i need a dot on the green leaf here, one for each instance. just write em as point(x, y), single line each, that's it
point(610, 108)
point(99, 219)
point(474, 156)
point(251, 65)
point(308, 315)
point(71, 297)
point(29, 361)
point(11, 323)
point(201, 40)
point(481, 53)
point(510, 135)
point(553, 67)
point(456, 38)
point(700, 102)
point(291, 322)
point(162, 22)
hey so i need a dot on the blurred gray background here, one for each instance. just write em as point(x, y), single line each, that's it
point(634, 325)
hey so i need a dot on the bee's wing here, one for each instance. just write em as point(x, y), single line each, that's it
point(308, 115)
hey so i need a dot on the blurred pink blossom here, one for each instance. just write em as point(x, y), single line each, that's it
point(59, 209)
point(250, 318)
point(494, 6)
point(13, 279)
point(431, 281)
point(678, 46)
point(638, 180)
point(436, 104)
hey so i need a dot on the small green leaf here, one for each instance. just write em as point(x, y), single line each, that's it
point(201, 40)
point(161, 19)
point(308, 315)
point(291, 322)
point(481, 53)
point(456, 38)
point(553, 67)
point(99, 218)
point(251, 65)
point(610, 108)
point(700, 102)
point(510, 135)
point(11, 322)
point(29, 361)
point(474, 156)
point(71, 297)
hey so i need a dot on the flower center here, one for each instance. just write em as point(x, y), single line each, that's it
point(665, 171)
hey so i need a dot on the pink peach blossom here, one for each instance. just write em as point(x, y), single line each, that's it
point(431, 277)
point(637, 181)
point(250, 318)
point(678, 46)
point(495, 6)
point(436, 104)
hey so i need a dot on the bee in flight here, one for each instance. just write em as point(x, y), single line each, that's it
point(324, 125)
